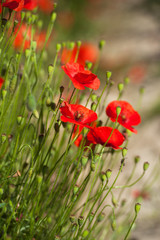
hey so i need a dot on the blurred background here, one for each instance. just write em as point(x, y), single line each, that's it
point(131, 30)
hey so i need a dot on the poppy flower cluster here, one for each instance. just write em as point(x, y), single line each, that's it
point(128, 117)
point(80, 77)
point(87, 52)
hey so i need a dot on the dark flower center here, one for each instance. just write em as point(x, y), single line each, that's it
point(78, 116)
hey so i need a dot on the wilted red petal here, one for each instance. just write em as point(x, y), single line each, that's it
point(77, 114)
point(80, 77)
point(106, 136)
point(128, 117)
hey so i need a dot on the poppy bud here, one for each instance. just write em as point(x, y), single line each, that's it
point(84, 160)
point(53, 17)
point(33, 45)
point(80, 220)
point(75, 189)
point(79, 44)
point(35, 114)
point(126, 80)
point(103, 177)
point(74, 198)
point(31, 102)
point(124, 152)
point(3, 138)
point(101, 44)
point(120, 87)
point(4, 93)
point(39, 179)
point(91, 216)
point(72, 218)
point(93, 106)
point(56, 238)
point(23, 15)
point(50, 69)
point(136, 159)
point(96, 157)
point(19, 120)
point(74, 227)
point(92, 166)
point(27, 53)
point(108, 75)
point(61, 89)
point(34, 18)
point(53, 106)
point(48, 102)
point(40, 24)
point(12, 84)
point(145, 166)
point(88, 65)
point(118, 111)
point(108, 173)
point(137, 207)
point(114, 201)
point(94, 97)
point(113, 225)
point(58, 47)
point(56, 127)
point(71, 45)
point(85, 233)
point(100, 217)
point(64, 124)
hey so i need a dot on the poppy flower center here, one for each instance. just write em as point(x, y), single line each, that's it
point(123, 118)
point(78, 116)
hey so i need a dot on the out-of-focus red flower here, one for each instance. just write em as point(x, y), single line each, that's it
point(77, 114)
point(45, 5)
point(140, 194)
point(87, 52)
point(101, 135)
point(18, 5)
point(137, 73)
point(128, 117)
point(24, 30)
point(80, 77)
point(1, 82)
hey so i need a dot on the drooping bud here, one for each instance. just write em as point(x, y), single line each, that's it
point(137, 207)
point(53, 17)
point(3, 138)
point(84, 160)
point(93, 106)
point(50, 69)
point(108, 75)
point(136, 159)
point(113, 225)
point(74, 227)
point(19, 120)
point(120, 87)
point(114, 201)
point(56, 127)
point(145, 166)
point(101, 217)
point(126, 80)
point(80, 220)
point(94, 97)
point(61, 89)
point(72, 218)
point(124, 152)
point(58, 47)
point(48, 102)
point(103, 177)
point(31, 102)
point(75, 189)
point(35, 114)
point(108, 173)
point(53, 106)
point(92, 166)
point(101, 44)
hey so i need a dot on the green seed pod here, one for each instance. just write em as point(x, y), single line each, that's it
point(113, 225)
point(108, 75)
point(136, 159)
point(114, 201)
point(80, 220)
point(101, 44)
point(53, 17)
point(53, 106)
point(31, 102)
point(4, 93)
point(19, 120)
point(120, 87)
point(93, 106)
point(33, 45)
point(85, 233)
point(48, 102)
point(88, 65)
point(79, 44)
point(72, 218)
point(50, 69)
point(71, 45)
point(84, 160)
point(137, 207)
point(35, 114)
point(3, 138)
point(27, 53)
point(124, 152)
point(100, 217)
point(103, 177)
point(126, 80)
point(75, 189)
point(145, 166)
point(108, 173)
point(92, 166)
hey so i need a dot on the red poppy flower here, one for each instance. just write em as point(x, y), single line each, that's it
point(1, 82)
point(140, 194)
point(128, 117)
point(80, 77)
point(87, 52)
point(18, 5)
point(45, 5)
point(77, 114)
point(38, 37)
point(101, 135)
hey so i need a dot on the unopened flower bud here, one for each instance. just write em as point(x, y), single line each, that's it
point(71, 45)
point(61, 89)
point(124, 152)
point(53, 17)
point(120, 87)
point(88, 65)
point(79, 44)
point(27, 53)
point(4, 93)
point(40, 24)
point(108, 173)
point(126, 80)
point(103, 177)
point(108, 75)
point(96, 157)
point(39, 179)
point(80, 220)
point(53, 106)
point(136, 159)
point(31, 102)
point(114, 201)
point(113, 225)
point(75, 189)
point(145, 166)
point(19, 120)
point(118, 111)
point(92, 166)
point(93, 106)
point(35, 114)
point(137, 207)
point(101, 44)
point(22, 15)
point(74, 227)
point(72, 218)
point(85, 233)
point(84, 160)
point(56, 127)
point(50, 69)
point(94, 97)
point(58, 47)
point(48, 102)
point(33, 45)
